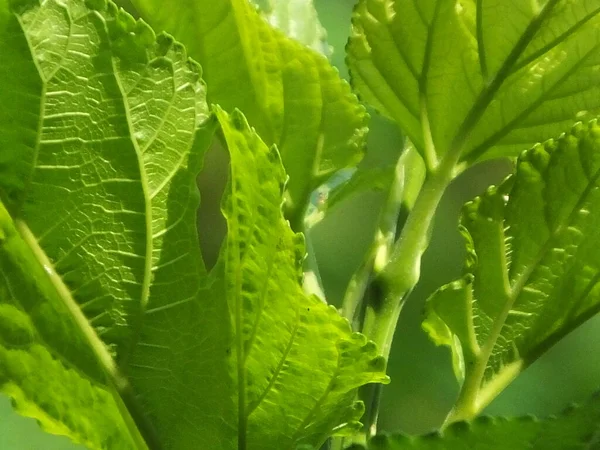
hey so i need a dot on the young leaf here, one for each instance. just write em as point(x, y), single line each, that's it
point(290, 94)
point(576, 427)
point(470, 80)
point(279, 368)
point(532, 270)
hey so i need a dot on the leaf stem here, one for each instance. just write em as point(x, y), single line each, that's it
point(312, 282)
point(392, 284)
point(296, 216)
point(378, 254)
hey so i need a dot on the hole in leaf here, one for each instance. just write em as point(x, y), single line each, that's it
point(212, 182)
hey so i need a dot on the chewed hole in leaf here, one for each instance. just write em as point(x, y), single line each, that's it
point(212, 182)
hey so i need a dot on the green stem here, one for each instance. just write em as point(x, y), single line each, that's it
point(296, 216)
point(312, 282)
point(401, 274)
point(473, 398)
point(391, 286)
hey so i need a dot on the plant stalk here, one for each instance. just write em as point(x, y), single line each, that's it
point(391, 286)
point(401, 273)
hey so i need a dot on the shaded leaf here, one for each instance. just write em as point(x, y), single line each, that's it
point(363, 180)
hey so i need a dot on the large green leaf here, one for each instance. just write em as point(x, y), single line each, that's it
point(280, 367)
point(575, 428)
point(477, 79)
point(532, 269)
point(289, 93)
point(98, 116)
point(102, 285)
point(99, 152)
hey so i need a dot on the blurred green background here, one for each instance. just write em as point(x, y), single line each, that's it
point(423, 386)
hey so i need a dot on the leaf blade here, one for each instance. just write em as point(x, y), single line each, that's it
point(103, 156)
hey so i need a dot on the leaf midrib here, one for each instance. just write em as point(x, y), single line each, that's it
point(146, 193)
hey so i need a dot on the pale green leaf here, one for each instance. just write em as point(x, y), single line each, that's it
point(289, 93)
point(473, 80)
point(532, 268)
point(298, 19)
point(280, 367)
point(575, 428)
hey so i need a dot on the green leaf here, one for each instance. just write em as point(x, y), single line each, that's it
point(281, 367)
point(96, 127)
point(575, 428)
point(46, 366)
point(532, 268)
point(289, 93)
point(108, 144)
point(470, 80)
point(102, 282)
point(297, 19)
